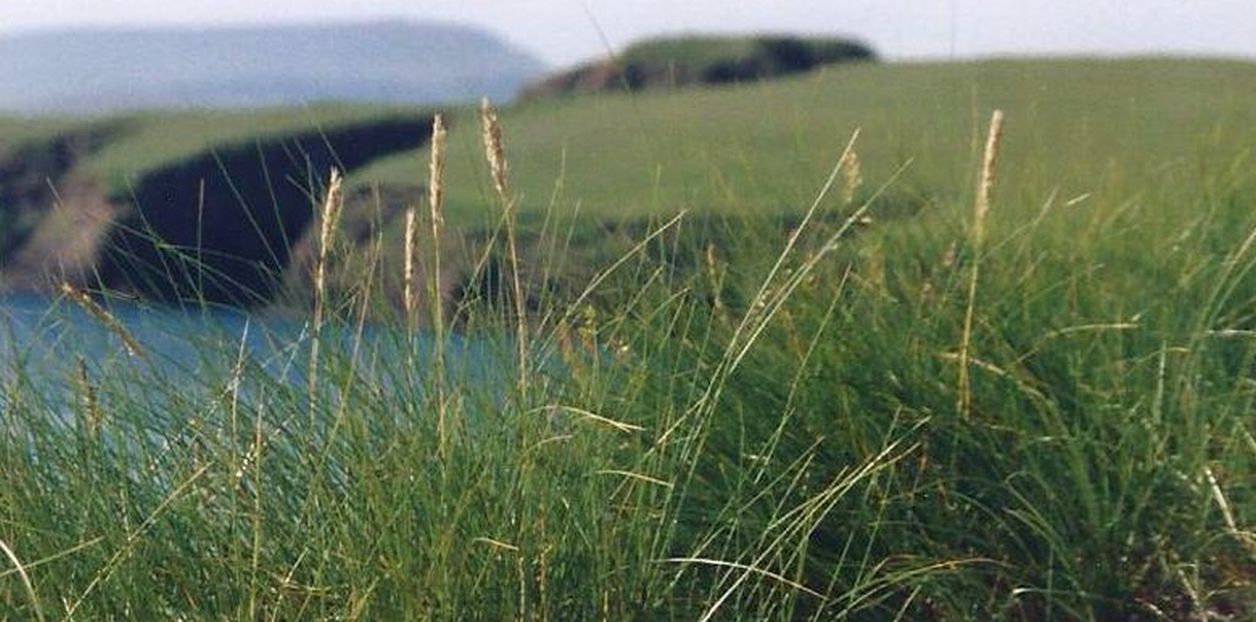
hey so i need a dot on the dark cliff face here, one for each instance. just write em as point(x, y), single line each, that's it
point(221, 226)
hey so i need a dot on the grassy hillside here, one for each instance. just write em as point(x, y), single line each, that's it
point(150, 140)
point(694, 60)
point(145, 141)
point(696, 50)
point(765, 147)
point(758, 148)
point(888, 408)
point(750, 146)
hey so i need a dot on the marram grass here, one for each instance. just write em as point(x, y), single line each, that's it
point(737, 418)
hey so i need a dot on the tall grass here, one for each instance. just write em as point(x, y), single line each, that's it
point(730, 418)
point(981, 211)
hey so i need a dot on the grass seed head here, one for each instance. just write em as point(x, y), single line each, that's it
point(330, 214)
point(988, 171)
point(436, 172)
point(332, 204)
point(410, 272)
point(492, 135)
point(852, 177)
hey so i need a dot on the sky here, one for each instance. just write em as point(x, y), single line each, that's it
point(565, 31)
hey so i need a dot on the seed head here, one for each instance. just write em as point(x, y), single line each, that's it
point(492, 135)
point(436, 172)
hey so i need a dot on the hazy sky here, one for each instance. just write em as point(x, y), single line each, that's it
point(561, 31)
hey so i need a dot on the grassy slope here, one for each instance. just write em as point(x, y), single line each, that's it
point(697, 51)
point(705, 50)
point(16, 131)
point(763, 147)
point(154, 139)
point(162, 138)
point(766, 147)
point(1103, 472)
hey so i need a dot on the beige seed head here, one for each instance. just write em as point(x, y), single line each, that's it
point(410, 273)
point(330, 215)
point(331, 211)
point(852, 177)
point(981, 210)
point(492, 135)
point(436, 172)
point(985, 190)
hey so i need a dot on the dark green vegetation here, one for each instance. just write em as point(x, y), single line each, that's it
point(753, 413)
point(100, 70)
point(672, 62)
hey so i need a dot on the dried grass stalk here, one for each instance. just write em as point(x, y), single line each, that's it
point(496, 155)
point(981, 208)
point(330, 216)
point(436, 172)
point(981, 211)
point(436, 202)
point(410, 272)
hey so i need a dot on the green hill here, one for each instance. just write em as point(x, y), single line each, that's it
point(700, 59)
point(766, 147)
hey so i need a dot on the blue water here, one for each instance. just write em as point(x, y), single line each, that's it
point(201, 368)
point(190, 360)
point(43, 339)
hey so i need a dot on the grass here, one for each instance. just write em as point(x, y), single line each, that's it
point(152, 139)
point(703, 51)
point(694, 50)
point(166, 137)
point(732, 419)
point(656, 152)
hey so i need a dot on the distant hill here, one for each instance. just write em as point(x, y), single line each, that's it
point(90, 71)
point(703, 59)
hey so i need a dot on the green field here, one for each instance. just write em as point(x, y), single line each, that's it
point(866, 411)
point(766, 147)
